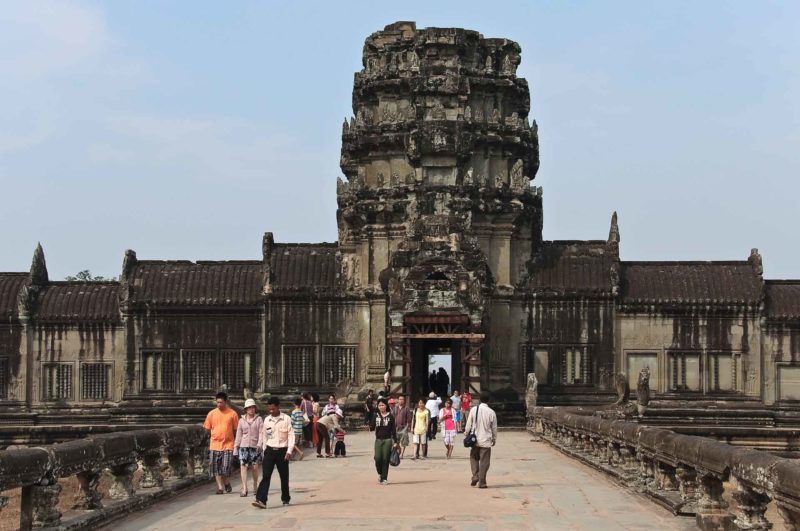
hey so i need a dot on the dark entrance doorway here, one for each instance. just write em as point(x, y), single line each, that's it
point(445, 350)
point(422, 336)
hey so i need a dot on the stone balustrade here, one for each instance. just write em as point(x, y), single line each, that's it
point(170, 460)
point(722, 486)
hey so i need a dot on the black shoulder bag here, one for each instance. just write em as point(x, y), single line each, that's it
point(471, 439)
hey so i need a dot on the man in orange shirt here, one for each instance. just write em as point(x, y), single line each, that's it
point(222, 423)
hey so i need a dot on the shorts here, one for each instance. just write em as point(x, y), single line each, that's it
point(220, 462)
point(420, 439)
point(449, 437)
point(458, 416)
point(402, 437)
point(299, 437)
point(249, 456)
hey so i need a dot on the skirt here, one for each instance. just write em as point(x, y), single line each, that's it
point(249, 456)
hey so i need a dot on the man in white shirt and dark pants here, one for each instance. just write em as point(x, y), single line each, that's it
point(484, 421)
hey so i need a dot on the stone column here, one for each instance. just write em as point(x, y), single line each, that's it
point(122, 484)
point(87, 497)
point(749, 508)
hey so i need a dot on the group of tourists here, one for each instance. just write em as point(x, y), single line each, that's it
point(270, 442)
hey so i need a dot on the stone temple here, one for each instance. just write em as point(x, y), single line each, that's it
point(440, 250)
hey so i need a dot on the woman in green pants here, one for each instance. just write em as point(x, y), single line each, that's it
point(385, 439)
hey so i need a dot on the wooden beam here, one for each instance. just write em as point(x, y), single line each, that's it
point(436, 336)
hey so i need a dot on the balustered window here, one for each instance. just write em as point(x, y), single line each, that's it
point(237, 369)
point(4, 378)
point(199, 370)
point(685, 371)
point(299, 364)
point(338, 364)
point(724, 371)
point(160, 371)
point(536, 359)
point(638, 361)
point(57, 381)
point(576, 366)
point(95, 379)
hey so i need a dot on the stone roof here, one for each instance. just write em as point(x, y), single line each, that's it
point(185, 283)
point(783, 299)
point(303, 267)
point(690, 283)
point(79, 301)
point(10, 284)
point(572, 267)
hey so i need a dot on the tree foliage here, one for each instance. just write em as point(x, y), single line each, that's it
point(86, 276)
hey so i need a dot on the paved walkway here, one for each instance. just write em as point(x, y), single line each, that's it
point(531, 486)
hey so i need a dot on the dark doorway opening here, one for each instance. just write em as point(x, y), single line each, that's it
point(446, 353)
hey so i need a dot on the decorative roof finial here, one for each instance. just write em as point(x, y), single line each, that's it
point(613, 233)
point(755, 261)
point(38, 275)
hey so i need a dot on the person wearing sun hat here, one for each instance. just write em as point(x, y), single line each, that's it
point(248, 444)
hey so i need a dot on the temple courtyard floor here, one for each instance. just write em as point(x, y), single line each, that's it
point(531, 486)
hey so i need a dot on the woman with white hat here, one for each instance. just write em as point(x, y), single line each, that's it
point(248, 444)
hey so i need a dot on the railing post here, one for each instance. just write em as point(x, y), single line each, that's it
point(687, 486)
point(711, 490)
point(122, 485)
point(178, 463)
point(151, 471)
point(88, 497)
point(665, 477)
point(749, 508)
point(44, 503)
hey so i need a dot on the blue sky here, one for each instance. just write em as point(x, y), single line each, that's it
point(187, 129)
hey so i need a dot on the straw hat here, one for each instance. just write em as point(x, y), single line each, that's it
point(249, 403)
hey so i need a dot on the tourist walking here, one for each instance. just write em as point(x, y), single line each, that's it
point(222, 422)
point(432, 405)
point(456, 398)
point(448, 419)
point(314, 419)
point(483, 421)
point(466, 403)
point(299, 421)
point(247, 444)
point(402, 420)
point(325, 426)
point(419, 429)
point(278, 441)
point(385, 440)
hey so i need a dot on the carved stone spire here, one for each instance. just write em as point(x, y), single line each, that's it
point(613, 232)
point(755, 261)
point(38, 275)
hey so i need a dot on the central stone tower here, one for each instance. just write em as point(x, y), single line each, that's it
point(437, 214)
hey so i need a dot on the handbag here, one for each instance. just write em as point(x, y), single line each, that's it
point(394, 459)
point(472, 439)
point(306, 420)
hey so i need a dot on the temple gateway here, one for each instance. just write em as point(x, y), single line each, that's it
point(440, 253)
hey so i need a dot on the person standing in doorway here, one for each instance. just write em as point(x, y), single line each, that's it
point(443, 382)
point(456, 398)
point(248, 444)
point(419, 428)
point(448, 419)
point(369, 410)
point(222, 423)
point(466, 403)
point(402, 420)
point(432, 382)
point(483, 421)
point(385, 440)
point(433, 404)
point(278, 441)
point(308, 408)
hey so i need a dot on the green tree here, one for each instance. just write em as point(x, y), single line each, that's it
point(86, 276)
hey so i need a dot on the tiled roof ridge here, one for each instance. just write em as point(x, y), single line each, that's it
point(198, 262)
point(683, 262)
point(307, 244)
point(789, 281)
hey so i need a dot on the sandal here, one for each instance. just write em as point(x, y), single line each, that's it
point(228, 488)
point(219, 491)
point(243, 494)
